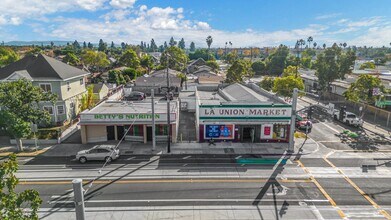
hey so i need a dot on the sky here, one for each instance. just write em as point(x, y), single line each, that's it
point(245, 23)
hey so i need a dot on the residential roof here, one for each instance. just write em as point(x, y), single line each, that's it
point(42, 66)
point(210, 79)
point(156, 81)
point(163, 73)
point(98, 87)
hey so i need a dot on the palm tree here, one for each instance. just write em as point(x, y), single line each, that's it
point(324, 46)
point(209, 41)
point(344, 45)
point(310, 39)
point(315, 44)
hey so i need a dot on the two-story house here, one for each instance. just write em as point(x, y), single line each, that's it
point(54, 76)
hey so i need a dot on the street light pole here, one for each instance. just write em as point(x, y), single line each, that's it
point(293, 121)
point(168, 109)
point(153, 120)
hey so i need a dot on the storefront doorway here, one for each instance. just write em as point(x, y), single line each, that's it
point(248, 134)
point(149, 133)
point(110, 133)
point(120, 132)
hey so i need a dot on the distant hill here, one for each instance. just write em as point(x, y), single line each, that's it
point(28, 43)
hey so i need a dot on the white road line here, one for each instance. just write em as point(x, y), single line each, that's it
point(183, 200)
point(330, 127)
point(187, 157)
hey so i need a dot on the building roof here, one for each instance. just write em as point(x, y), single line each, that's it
point(42, 67)
point(163, 73)
point(210, 79)
point(98, 87)
point(156, 81)
point(118, 107)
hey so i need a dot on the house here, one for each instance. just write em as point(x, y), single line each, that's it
point(163, 73)
point(204, 71)
point(100, 91)
point(193, 66)
point(155, 57)
point(212, 79)
point(51, 75)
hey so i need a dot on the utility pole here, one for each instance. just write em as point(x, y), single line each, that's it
point(78, 198)
point(168, 108)
point(153, 120)
point(293, 121)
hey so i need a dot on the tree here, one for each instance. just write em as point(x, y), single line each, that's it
point(7, 56)
point(90, 46)
point(165, 45)
point(284, 86)
point(112, 46)
point(258, 67)
point(123, 45)
point(130, 59)
point(324, 46)
point(309, 40)
point(277, 60)
point(76, 45)
point(153, 45)
point(209, 41)
point(183, 78)
point(13, 204)
point(87, 100)
point(71, 59)
point(192, 47)
point(131, 73)
point(238, 71)
point(172, 42)
point(367, 65)
point(332, 64)
point(344, 45)
point(181, 44)
point(289, 71)
point(84, 45)
point(19, 101)
point(94, 59)
point(213, 64)
point(362, 89)
point(177, 58)
point(102, 46)
point(146, 61)
point(315, 44)
point(116, 77)
point(231, 57)
point(267, 83)
point(201, 53)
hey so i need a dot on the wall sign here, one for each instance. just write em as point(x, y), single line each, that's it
point(219, 132)
point(244, 112)
point(89, 117)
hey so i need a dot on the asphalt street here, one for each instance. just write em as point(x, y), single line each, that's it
point(328, 184)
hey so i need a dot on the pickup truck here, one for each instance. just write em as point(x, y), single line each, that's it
point(349, 118)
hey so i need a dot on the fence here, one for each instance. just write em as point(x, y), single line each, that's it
point(369, 113)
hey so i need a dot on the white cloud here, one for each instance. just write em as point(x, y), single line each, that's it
point(327, 16)
point(122, 3)
point(375, 36)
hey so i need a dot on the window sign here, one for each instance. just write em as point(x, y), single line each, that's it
point(219, 131)
point(267, 131)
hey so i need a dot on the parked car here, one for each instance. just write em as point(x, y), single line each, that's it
point(303, 123)
point(135, 96)
point(98, 152)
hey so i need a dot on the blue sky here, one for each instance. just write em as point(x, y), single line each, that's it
point(243, 22)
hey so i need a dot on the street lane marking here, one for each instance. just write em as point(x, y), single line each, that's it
point(323, 191)
point(167, 181)
point(354, 185)
point(330, 127)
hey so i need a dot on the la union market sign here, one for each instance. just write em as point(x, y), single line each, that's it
point(246, 112)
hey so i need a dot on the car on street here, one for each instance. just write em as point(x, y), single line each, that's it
point(99, 152)
point(303, 123)
point(135, 96)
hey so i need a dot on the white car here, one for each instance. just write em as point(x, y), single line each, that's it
point(99, 152)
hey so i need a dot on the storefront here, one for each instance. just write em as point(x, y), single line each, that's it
point(244, 123)
point(131, 121)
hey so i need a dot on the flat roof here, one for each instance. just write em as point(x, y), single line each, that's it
point(124, 107)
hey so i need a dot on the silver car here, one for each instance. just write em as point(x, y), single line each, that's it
point(99, 152)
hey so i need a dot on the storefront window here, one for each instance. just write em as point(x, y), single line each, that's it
point(136, 130)
point(280, 131)
point(161, 130)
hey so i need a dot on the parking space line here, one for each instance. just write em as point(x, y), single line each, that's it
point(354, 185)
point(322, 190)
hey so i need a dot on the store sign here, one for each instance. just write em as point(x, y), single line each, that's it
point(267, 131)
point(124, 117)
point(219, 131)
point(245, 112)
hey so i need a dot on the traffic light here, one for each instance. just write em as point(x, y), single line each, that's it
point(310, 112)
point(284, 208)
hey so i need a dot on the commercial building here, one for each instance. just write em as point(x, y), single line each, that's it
point(241, 113)
point(111, 120)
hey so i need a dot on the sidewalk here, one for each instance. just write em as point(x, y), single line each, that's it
point(131, 148)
